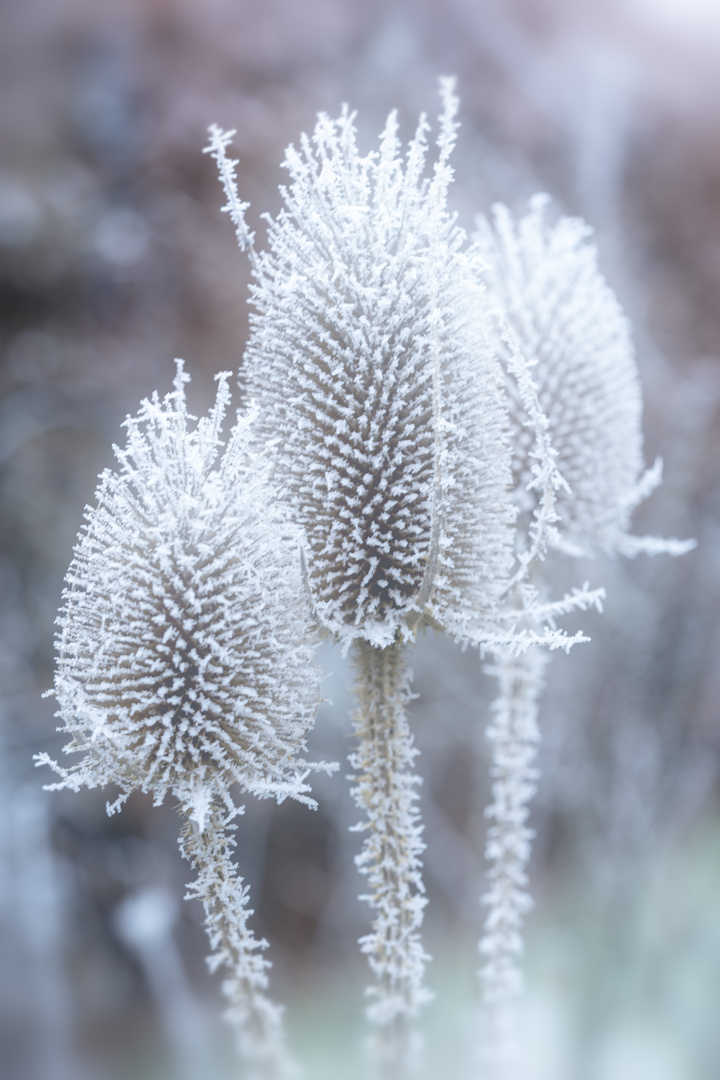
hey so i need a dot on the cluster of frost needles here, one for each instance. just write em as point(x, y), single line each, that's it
point(432, 414)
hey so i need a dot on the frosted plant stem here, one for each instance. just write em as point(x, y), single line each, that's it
point(257, 1019)
point(391, 855)
point(513, 735)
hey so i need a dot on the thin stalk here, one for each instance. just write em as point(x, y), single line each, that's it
point(386, 791)
point(514, 736)
point(257, 1019)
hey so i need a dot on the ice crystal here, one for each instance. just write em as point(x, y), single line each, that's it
point(184, 653)
point(376, 385)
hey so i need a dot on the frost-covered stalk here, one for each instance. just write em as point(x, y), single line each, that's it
point(383, 410)
point(386, 791)
point(184, 660)
point(235, 949)
point(513, 736)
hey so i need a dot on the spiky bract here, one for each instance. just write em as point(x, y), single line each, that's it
point(184, 655)
point(374, 380)
point(568, 324)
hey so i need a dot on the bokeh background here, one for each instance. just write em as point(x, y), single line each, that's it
point(114, 259)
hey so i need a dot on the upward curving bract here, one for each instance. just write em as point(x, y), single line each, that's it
point(566, 321)
point(377, 389)
point(184, 650)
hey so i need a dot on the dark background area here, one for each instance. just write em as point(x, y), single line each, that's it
point(114, 259)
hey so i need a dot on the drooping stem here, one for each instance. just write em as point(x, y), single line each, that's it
point(514, 736)
point(386, 791)
point(257, 1019)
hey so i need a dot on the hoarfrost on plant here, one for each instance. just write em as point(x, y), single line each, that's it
point(376, 386)
point(184, 650)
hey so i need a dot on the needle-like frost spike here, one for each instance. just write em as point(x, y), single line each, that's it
point(384, 412)
point(184, 659)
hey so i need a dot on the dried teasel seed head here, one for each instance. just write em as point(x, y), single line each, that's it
point(378, 391)
point(184, 655)
point(568, 324)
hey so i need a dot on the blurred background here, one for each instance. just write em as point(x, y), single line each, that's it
point(114, 259)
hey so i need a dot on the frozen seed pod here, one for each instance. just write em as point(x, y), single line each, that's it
point(376, 387)
point(184, 655)
point(567, 322)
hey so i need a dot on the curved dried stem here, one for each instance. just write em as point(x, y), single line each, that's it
point(386, 791)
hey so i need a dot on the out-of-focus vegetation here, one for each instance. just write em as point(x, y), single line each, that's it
point(114, 258)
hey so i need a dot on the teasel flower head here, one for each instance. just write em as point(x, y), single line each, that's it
point(576, 411)
point(184, 654)
point(554, 307)
point(376, 387)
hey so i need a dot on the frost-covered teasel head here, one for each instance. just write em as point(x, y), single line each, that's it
point(376, 387)
point(568, 324)
point(184, 655)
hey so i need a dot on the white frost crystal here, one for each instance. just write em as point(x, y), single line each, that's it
point(184, 654)
point(377, 388)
